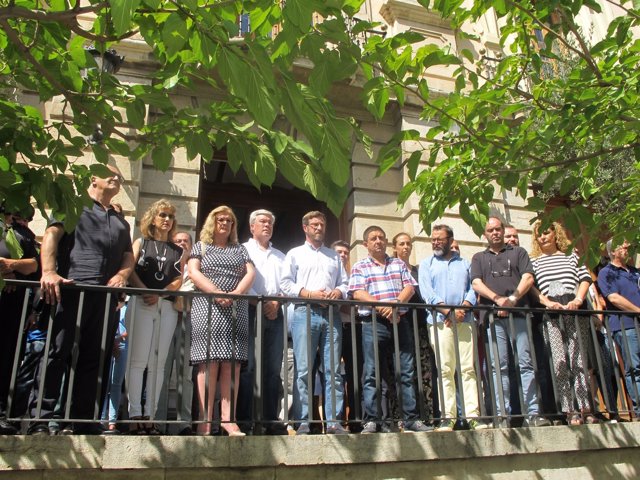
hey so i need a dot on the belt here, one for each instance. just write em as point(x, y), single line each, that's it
point(312, 307)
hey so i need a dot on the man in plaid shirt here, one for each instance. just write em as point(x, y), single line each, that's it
point(381, 278)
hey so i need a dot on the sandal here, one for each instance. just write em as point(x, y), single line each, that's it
point(574, 419)
point(153, 430)
point(138, 428)
point(590, 419)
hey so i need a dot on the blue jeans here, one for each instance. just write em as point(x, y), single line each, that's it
point(116, 378)
point(271, 382)
point(631, 357)
point(384, 331)
point(321, 338)
point(527, 372)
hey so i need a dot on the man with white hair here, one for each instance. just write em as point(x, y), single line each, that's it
point(268, 262)
point(619, 284)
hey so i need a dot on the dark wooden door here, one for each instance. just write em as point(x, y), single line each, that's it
point(219, 186)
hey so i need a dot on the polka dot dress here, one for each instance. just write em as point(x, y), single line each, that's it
point(214, 335)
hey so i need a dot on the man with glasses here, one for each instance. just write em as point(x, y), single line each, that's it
point(315, 273)
point(97, 252)
point(444, 279)
point(502, 275)
point(620, 286)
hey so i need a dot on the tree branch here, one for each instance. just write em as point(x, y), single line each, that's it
point(583, 45)
point(573, 159)
point(13, 12)
point(553, 33)
point(628, 11)
point(75, 27)
point(15, 39)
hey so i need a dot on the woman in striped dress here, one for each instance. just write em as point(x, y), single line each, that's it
point(562, 284)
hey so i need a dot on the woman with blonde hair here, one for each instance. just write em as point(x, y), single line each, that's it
point(562, 283)
point(151, 318)
point(219, 338)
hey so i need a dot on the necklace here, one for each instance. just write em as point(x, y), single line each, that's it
point(160, 259)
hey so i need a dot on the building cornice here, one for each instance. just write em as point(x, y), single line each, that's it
point(411, 10)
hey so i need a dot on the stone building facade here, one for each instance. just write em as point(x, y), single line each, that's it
point(195, 188)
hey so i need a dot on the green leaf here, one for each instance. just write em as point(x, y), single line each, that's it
point(198, 143)
point(100, 153)
point(174, 34)
point(265, 166)
point(162, 157)
point(121, 13)
point(413, 163)
point(100, 170)
point(136, 112)
point(246, 83)
point(239, 154)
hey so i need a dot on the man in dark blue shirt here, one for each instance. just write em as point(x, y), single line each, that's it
point(97, 252)
point(619, 284)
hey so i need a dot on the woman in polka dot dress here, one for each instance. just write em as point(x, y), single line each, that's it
point(219, 338)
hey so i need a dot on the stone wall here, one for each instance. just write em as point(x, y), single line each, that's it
point(594, 451)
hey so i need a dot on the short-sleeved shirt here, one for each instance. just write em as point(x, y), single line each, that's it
point(559, 269)
point(383, 282)
point(93, 252)
point(624, 282)
point(502, 271)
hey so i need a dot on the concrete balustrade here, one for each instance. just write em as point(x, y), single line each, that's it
point(593, 451)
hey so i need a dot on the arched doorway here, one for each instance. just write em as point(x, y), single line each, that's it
point(220, 186)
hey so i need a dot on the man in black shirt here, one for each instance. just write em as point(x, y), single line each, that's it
point(502, 275)
point(97, 252)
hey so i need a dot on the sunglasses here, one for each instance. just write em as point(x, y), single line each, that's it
point(170, 216)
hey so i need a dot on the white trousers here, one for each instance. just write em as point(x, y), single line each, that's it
point(150, 335)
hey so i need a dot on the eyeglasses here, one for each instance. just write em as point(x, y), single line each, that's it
point(501, 273)
point(170, 216)
point(224, 220)
point(440, 240)
point(316, 226)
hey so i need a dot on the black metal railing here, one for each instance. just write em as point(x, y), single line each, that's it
point(600, 383)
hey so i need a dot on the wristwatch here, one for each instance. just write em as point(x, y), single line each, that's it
point(512, 298)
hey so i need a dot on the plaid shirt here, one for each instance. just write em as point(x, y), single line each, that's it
point(384, 283)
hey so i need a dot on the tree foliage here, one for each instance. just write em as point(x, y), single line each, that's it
point(251, 101)
point(553, 111)
point(549, 113)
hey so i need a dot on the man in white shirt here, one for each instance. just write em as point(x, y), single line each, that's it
point(268, 262)
point(315, 273)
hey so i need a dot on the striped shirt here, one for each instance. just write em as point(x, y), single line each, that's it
point(383, 282)
point(559, 268)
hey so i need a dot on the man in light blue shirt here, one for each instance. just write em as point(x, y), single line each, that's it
point(315, 273)
point(444, 280)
